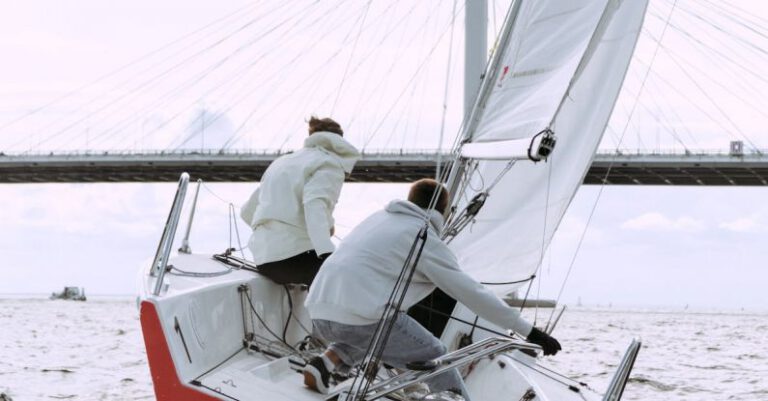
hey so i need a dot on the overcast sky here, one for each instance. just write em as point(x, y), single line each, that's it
point(645, 246)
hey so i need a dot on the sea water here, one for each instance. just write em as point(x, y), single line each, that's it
point(63, 350)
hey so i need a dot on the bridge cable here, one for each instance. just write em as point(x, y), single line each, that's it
point(188, 84)
point(239, 132)
point(126, 66)
point(123, 83)
point(279, 76)
point(360, 65)
point(204, 74)
point(352, 53)
point(409, 82)
point(155, 78)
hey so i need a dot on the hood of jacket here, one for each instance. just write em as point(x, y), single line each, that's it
point(436, 219)
point(335, 145)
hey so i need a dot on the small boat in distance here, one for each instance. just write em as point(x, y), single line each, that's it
point(70, 294)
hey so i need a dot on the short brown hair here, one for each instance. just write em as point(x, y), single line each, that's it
point(423, 190)
point(324, 124)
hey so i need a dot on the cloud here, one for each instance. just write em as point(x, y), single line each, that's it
point(742, 225)
point(655, 221)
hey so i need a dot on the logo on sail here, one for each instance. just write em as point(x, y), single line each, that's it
point(503, 75)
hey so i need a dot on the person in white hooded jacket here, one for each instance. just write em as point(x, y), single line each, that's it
point(291, 212)
point(351, 291)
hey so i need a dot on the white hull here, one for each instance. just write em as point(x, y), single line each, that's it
point(195, 328)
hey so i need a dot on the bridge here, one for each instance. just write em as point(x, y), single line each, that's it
point(616, 168)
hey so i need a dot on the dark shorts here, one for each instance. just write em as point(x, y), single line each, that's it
point(299, 269)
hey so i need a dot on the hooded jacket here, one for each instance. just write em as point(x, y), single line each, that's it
point(291, 212)
point(355, 282)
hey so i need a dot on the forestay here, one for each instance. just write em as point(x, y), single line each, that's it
point(562, 68)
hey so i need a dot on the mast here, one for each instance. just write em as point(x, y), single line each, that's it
point(475, 98)
point(475, 49)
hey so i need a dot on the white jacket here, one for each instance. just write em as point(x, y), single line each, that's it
point(355, 282)
point(292, 210)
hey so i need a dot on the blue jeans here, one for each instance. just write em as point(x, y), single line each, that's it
point(408, 342)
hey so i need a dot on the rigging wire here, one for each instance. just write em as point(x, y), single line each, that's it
point(233, 222)
point(445, 92)
point(263, 323)
point(550, 163)
point(610, 166)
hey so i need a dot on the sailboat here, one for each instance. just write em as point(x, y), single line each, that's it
point(216, 330)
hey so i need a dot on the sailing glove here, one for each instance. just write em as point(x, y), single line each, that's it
point(545, 341)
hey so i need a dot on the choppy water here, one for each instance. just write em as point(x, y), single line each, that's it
point(94, 351)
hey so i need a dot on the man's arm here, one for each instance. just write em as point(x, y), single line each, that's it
point(316, 219)
point(442, 269)
point(321, 192)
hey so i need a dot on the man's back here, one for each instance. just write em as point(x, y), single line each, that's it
point(355, 282)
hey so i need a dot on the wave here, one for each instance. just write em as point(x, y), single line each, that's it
point(651, 383)
point(710, 367)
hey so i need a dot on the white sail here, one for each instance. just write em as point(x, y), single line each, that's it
point(562, 68)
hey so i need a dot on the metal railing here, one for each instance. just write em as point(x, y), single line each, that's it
point(619, 382)
point(185, 242)
point(202, 152)
point(271, 153)
point(453, 360)
point(160, 261)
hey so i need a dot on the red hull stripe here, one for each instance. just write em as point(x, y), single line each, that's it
point(168, 387)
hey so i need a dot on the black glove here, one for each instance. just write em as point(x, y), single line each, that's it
point(545, 341)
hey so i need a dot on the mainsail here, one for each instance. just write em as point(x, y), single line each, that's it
point(561, 66)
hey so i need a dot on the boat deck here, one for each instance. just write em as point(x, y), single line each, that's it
point(252, 375)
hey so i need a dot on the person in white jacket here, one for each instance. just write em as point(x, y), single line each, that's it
point(291, 212)
point(351, 291)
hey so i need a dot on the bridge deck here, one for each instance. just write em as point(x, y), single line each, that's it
point(642, 169)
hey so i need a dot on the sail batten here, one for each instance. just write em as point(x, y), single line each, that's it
point(562, 68)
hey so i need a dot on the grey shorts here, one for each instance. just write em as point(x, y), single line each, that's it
point(409, 341)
